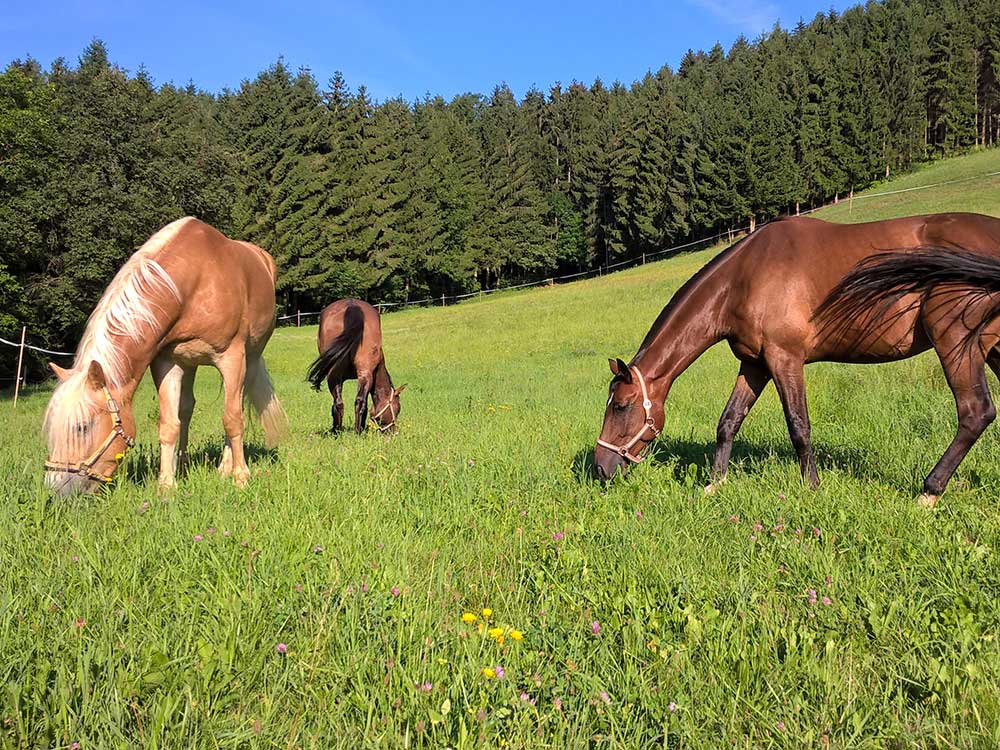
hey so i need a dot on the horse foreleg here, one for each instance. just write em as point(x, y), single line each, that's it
point(168, 376)
point(361, 401)
point(750, 383)
point(967, 378)
point(790, 382)
point(233, 369)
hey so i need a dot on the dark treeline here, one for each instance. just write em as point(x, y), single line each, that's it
point(393, 201)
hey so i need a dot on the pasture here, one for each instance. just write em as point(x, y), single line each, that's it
point(323, 605)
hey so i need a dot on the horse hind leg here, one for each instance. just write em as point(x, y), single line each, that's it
point(337, 409)
point(233, 368)
point(750, 383)
point(361, 401)
point(966, 375)
point(789, 380)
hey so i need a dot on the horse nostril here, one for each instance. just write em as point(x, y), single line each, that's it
point(601, 473)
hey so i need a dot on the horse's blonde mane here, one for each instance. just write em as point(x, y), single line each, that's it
point(132, 308)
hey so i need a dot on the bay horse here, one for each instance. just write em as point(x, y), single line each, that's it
point(189, 296)
point(793, 293)
point(350, 347)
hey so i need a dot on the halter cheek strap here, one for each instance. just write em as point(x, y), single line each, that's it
point(625, 450)
point(392, 412)
point(86, 468)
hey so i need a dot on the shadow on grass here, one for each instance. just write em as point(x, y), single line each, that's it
point(689, 461)
point(144, 465)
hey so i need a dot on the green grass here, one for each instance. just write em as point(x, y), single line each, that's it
point(118, 629)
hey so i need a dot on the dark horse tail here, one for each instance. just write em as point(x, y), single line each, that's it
point(880, 280)
point(341, 349)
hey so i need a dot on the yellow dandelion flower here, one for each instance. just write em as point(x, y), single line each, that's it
point(487, 612)
point(480, 627)
point(489, 673)
point(495, 633)
point(468, 617)
point(516, 634)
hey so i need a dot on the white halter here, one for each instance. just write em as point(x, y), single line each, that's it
point(625, 451)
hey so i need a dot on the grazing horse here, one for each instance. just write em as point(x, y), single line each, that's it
point(773, 297)
point(189, 296)
point(350, 347)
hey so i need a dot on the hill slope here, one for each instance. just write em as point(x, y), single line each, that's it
point(650, 614)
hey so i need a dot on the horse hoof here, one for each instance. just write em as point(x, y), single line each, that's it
point(240, 479)
point(710, 488)
point(927, 500)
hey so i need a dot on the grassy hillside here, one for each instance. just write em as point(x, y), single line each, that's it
point(766, 615)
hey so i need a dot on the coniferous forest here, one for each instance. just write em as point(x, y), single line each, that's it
point(397, 200)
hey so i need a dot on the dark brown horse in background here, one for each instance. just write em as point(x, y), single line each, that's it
point(794, 293)
point(350, 347)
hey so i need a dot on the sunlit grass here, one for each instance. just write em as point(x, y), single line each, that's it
point(764, 615)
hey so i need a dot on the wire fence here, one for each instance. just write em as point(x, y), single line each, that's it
point(731, 234)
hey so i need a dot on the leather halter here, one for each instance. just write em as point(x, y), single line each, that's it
point(380, 412)
point(625, 450)
point(86, 468)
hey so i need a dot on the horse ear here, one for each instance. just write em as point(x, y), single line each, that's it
point(60, 372)
point(95, 375)
point(620, 370)
point(399, 390)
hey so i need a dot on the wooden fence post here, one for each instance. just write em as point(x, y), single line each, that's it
point(20, 359)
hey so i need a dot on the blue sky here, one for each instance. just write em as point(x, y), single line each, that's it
point(408, 48)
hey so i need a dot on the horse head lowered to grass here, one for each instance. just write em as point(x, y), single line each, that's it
point(189, 296)
point(350, 347)
point(801, 290)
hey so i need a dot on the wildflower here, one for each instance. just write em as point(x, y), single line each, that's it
point(781, 726)
point(281, 648)
point(198, 537)
point(364, 587)
point(468, 617)
point(144, 507)
point(74, 746)
point(528, 699)
point(812, 596)
point(557, 703)
point(424, 687)
point(317, 549)
point(210, 530)
point(734, 518)
point(671, 707)
point(523, 513)
point(828, 580)
point(816, 532)
point(827, 601)
point(487, 612)
point(798, 532)
point(472, 462)
point(557, 536)
point(778, 528)
point(489, 673)
point(753, 537)
point(638, 514)
point(80, 622)
point(395, 591)
point(605, 697)
point(500, 672)
point(227, 532)
point(298, 588)
point(595, 627)
point(496, 634)
point(515, 634)
point(758, 527)
point(75, 558)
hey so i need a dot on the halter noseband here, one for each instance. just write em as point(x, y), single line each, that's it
point(86, 468)
point(625, 451)
point(380, 412)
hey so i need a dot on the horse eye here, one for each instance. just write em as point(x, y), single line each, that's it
point(619, 407)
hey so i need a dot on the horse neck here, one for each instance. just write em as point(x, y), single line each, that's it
point(134, 358)
point(688, 326)
point(383, 383)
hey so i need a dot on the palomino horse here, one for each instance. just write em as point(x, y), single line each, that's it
point(189, 296)
point(774, 298)
point(350, 346)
